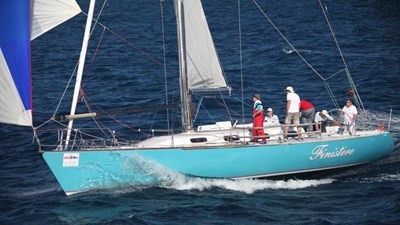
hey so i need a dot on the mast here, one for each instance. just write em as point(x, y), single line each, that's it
point(186, 116)
point(81, 65)
point(200, 72)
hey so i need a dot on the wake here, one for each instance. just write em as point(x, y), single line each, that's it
point(247, 186)
point(169, 179)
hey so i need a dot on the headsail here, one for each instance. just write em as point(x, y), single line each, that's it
point(15, 63)
point(47, 14)
point(15, 80)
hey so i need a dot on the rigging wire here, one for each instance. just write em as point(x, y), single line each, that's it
point(349, 77)
point(88, 102)
point(97, 22)
point(231, 111)
point(165, 61)
point(241, 57)
point(85, 98)
point(76, 65)
point(287, 41)
point(298, 53)
point(130, 43)
point(226, 106)
point(98, 45)
point(88, 106)
point(241, 60)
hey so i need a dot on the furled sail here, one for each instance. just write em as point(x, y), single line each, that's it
point(47, 14)
point(203, 69)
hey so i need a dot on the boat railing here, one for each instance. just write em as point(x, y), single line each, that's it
point(366, 120)
point(97, 139)
point(331, 129)
point(88, 138)
point(277, 130)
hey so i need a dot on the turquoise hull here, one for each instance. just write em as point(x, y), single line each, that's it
point(86, 170)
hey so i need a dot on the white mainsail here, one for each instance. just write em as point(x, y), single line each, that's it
point(200, 70)
point(47, 14)
point(203, 69)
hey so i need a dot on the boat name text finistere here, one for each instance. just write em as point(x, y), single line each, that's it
point(322, 152)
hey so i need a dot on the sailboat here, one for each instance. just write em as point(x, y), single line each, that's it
point(219, 151)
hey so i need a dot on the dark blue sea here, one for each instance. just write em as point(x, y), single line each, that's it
point(125, 69)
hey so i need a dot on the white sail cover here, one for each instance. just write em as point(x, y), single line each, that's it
point(47, 14)
point(203, 68)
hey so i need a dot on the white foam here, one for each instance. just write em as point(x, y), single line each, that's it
point(29, 192)
point(290, 51)
point(381, 178)
point(175, 180)
point(244, 185)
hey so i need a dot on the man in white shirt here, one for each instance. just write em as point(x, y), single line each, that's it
point(271, 118)
point(350, 116)
point(321, 118)
point(292, 111)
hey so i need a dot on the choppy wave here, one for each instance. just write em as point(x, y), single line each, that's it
point(34, 191)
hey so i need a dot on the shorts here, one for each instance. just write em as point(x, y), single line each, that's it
point(351, 127)
point(293, 116)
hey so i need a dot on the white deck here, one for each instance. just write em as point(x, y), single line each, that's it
point(226, 134)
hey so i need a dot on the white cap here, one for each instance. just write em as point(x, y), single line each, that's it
point(324, 112)
point(269, 110)
point(290, 89)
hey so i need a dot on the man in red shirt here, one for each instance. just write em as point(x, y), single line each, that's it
point(307, 112)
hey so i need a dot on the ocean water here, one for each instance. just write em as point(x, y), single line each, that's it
point(126, 70)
